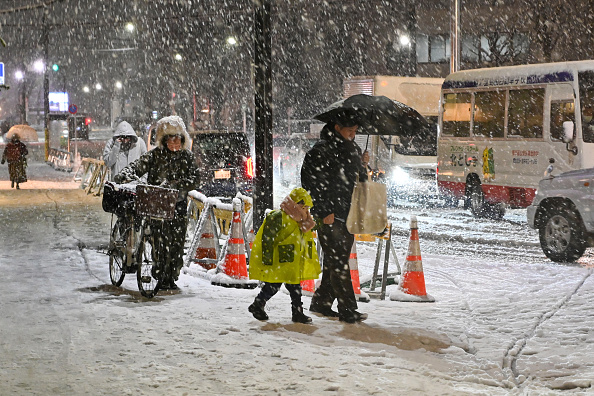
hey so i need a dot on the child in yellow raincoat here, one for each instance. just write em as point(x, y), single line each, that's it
point(284, 251)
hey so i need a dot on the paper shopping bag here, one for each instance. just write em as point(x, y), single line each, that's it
point(368, 213)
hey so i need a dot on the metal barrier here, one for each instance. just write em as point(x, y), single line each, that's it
point(202, 209)
point(60, 159)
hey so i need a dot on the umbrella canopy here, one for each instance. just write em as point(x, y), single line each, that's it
point(376, 115)
point(25, 132)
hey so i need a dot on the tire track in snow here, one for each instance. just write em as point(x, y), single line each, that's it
point(80, 244)
point(512, 354)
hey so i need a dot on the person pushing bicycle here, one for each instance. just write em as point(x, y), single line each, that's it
point(171, 164)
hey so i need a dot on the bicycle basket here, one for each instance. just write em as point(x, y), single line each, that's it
point(117, 200)
point(155, 201)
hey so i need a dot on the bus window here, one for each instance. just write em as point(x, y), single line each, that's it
point(525, 113)
point(456, 114)
point(561, 111)
point(489, 114)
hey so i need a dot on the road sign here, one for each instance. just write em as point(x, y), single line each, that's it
point(72, 109)
point(1, 73)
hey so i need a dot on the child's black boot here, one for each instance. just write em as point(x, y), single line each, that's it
point(299, 316)
point(257, 309)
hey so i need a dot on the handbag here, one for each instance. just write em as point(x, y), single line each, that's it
point(368, 213)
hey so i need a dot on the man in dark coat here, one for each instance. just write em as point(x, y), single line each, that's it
point(15, 152)
point(329, 172)
point(171, 164)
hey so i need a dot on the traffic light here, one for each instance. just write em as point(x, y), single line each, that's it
point(55, 67)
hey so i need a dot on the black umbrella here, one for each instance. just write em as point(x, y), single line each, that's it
point(375, 115)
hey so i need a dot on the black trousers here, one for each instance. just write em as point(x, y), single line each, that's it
point(270, 289)
point(171, 236)
point(336, 242)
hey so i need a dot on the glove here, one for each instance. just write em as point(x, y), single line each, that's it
point(2, 162)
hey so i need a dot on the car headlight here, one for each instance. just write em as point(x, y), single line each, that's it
point(399, 175)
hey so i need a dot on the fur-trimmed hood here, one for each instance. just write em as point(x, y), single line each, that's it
point(172, 125)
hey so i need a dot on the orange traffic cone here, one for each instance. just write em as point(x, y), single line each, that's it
point(206, 251)
point(234, 264)
point(308, 287)
point(412, 280)
point(354, 267)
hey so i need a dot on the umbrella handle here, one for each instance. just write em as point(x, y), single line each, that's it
point(366, 143)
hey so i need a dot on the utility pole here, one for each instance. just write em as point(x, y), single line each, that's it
point(46, 81)
point(263, 102)
point(455, 35)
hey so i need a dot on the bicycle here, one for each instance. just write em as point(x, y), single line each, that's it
point(140, 210)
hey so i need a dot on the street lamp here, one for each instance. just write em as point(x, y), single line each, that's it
point(86, 89)
point(231, 40)
point(98, 86)
point(178, 57)
point(404, 40)
point(19, 75)
point(39, 66)
point(118, 85)
point(130, 27)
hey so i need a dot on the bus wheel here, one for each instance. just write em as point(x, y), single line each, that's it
point(476, 200)
point(562, 233)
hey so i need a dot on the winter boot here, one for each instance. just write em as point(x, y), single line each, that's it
point(299, 316)
point(257, 309)
point(11, 184)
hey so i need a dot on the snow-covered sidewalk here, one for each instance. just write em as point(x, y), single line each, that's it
point(496, 327)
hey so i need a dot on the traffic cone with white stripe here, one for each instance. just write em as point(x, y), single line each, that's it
point(206, 251)
point(234, 264)
point(308, 287)
point(354, 268)
point(412, 280)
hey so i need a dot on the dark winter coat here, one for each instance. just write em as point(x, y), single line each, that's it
point(15, 152)
point(166, 168)
point(329, 173)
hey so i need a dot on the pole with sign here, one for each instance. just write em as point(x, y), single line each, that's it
point(1, 73)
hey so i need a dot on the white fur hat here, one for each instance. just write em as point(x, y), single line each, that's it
point(172, 125)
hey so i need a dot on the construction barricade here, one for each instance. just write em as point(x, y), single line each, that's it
point(60, 159)
point(224, 265)
point(92, 174)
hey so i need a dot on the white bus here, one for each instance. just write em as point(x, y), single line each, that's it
point(500, 128)
point(407, 163)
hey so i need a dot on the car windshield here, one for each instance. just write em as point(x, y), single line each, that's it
point(221, 149)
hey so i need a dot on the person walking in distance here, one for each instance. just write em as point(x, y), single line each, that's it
point(329, 172)
point(15, 152)
point(122, 149)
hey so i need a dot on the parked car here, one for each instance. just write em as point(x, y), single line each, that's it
point(226, 166)
point(291, 158)
point(563, 213)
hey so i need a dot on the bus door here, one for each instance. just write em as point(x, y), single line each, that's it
point(585, 123)
point(560, 108)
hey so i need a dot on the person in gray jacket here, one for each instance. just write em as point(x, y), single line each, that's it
point(123, 149)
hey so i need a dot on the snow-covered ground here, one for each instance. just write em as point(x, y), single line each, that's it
point(506, 320)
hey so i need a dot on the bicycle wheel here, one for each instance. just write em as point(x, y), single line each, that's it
point(117, 252)
point(146, 260)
